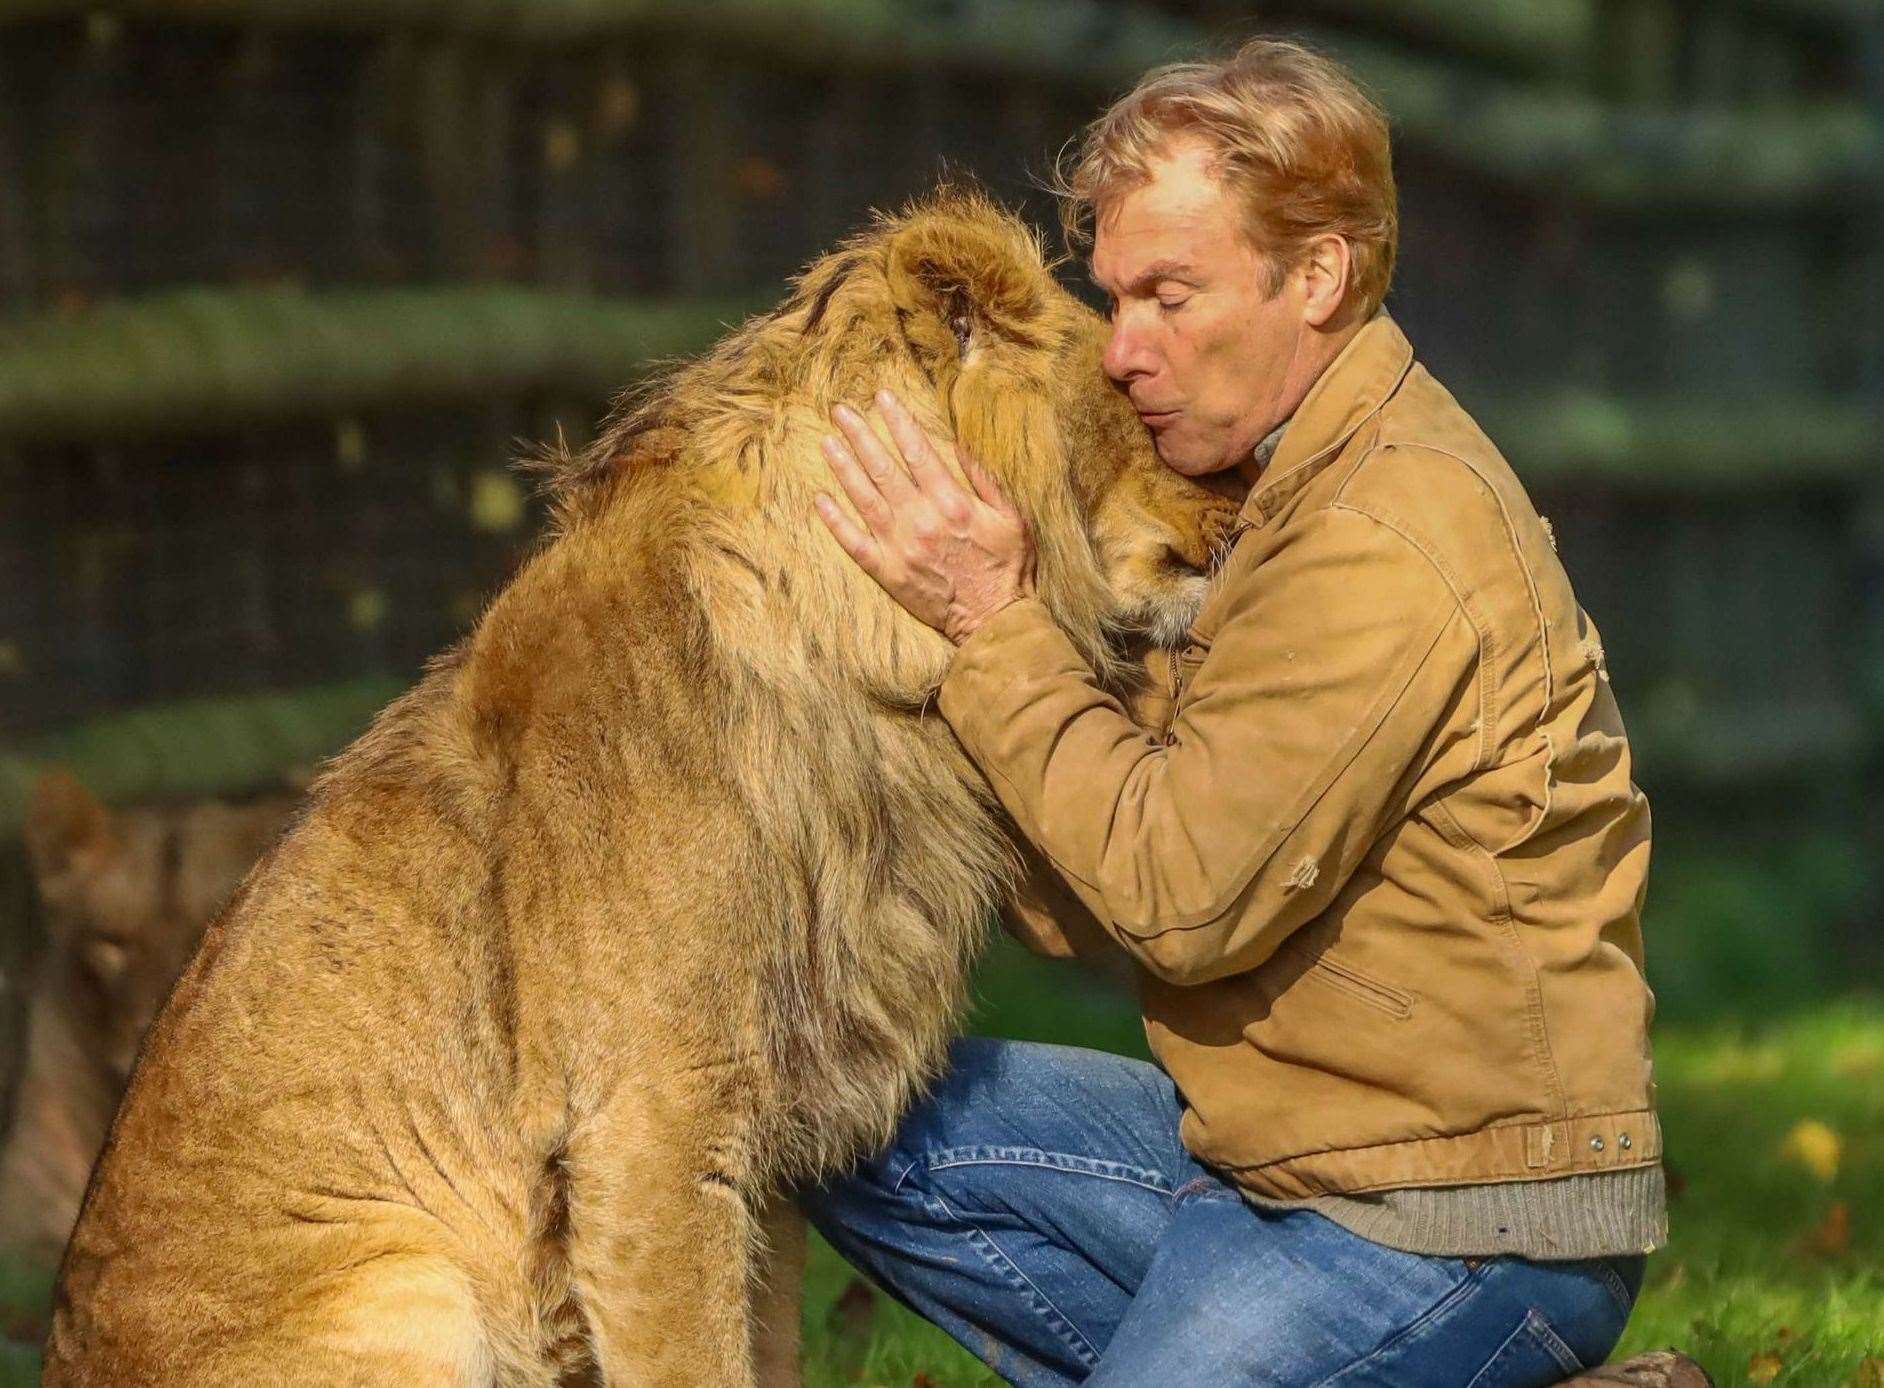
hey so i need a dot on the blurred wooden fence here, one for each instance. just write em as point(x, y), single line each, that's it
point(282, 281)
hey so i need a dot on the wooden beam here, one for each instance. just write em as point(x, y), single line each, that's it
point(1566, 139)
point(206, 747)
point(1076, 39)
point(1628, 157)
point(1765, 741)
point(239, 744)
point(205, 359)
point(1684, 444)
point(1546, 38)
point(1834, 15)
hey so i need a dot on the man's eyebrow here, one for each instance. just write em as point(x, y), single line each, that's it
point(1157, 270)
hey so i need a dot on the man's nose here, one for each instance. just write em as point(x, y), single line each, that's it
point(1126, 357)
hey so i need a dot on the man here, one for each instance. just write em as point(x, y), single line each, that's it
point(1380, 866)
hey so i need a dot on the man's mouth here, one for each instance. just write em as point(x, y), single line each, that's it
point(1156, 419)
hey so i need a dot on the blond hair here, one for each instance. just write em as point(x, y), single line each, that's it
point(1292, 134)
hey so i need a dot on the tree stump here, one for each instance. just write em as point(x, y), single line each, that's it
point(1663, 1368)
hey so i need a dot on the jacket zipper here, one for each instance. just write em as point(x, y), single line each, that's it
point(1177, 685)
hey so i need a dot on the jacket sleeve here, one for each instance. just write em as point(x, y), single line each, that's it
point(1333, 668)
point(1046, 917)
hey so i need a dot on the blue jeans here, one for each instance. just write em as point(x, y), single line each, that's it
point(1039, 1207)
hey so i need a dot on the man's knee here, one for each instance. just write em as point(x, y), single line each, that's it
point(1010, 1121)
point(1000, 1094)
point(998, 1090)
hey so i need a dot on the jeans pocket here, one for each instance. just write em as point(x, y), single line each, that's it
point(1532, 1356)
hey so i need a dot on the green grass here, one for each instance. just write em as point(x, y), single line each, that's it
point(1742, 1275)
point(1740, 1278)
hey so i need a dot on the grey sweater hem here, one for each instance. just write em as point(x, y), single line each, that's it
point(1597, 1215)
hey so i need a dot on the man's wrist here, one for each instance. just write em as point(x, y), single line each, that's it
point(960, 632)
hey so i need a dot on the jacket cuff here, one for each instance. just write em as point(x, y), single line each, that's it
point(1021, 639)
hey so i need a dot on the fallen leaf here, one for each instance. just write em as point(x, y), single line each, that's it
point(922, 1381)
point(1764, 1368)
point(1677, 1182)
point(1832, 1237)
point(1870, 1373)
point(1814, 1146)
point(854, 1309)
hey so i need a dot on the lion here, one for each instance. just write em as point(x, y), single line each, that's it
point(657, 895)
point(122, 897)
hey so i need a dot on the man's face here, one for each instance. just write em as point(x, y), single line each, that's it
point(1208, 356)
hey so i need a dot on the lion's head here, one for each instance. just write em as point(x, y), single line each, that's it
point(125, 894)
point(952, 305)
point(1014, 361)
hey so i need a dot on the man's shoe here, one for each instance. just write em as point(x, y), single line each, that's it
point(1661, 1369)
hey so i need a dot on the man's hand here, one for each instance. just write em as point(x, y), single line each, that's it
point(952, 558)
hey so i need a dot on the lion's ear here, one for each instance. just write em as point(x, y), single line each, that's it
point(962, 276)
point(63, 821)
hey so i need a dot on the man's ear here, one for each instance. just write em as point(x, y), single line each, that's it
point(1327, 268)
point(957, 278)
point(63, 821)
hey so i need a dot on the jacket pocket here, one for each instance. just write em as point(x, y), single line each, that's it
point(1395, 1002)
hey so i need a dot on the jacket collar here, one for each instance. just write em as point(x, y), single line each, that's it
point(1355, 385)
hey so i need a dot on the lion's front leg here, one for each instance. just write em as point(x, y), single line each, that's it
point(661, 1244)
point(778, 1295)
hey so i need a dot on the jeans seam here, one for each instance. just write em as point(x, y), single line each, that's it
point(950, 1158)
point(1553, 1344)
point(1618, 1289)
point(1487, 1378)
point(983, 1243)
point(1455, 1294)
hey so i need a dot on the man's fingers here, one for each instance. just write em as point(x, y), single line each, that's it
point(857, 542)
point(983, 482)
point(857, 483)
point(925, 464)
point(882, 467)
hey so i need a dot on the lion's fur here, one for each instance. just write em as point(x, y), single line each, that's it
point(655, 895)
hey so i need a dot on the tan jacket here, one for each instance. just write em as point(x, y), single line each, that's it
point(1383, 870)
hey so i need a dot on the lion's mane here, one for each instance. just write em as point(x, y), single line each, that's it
point(883, 850)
